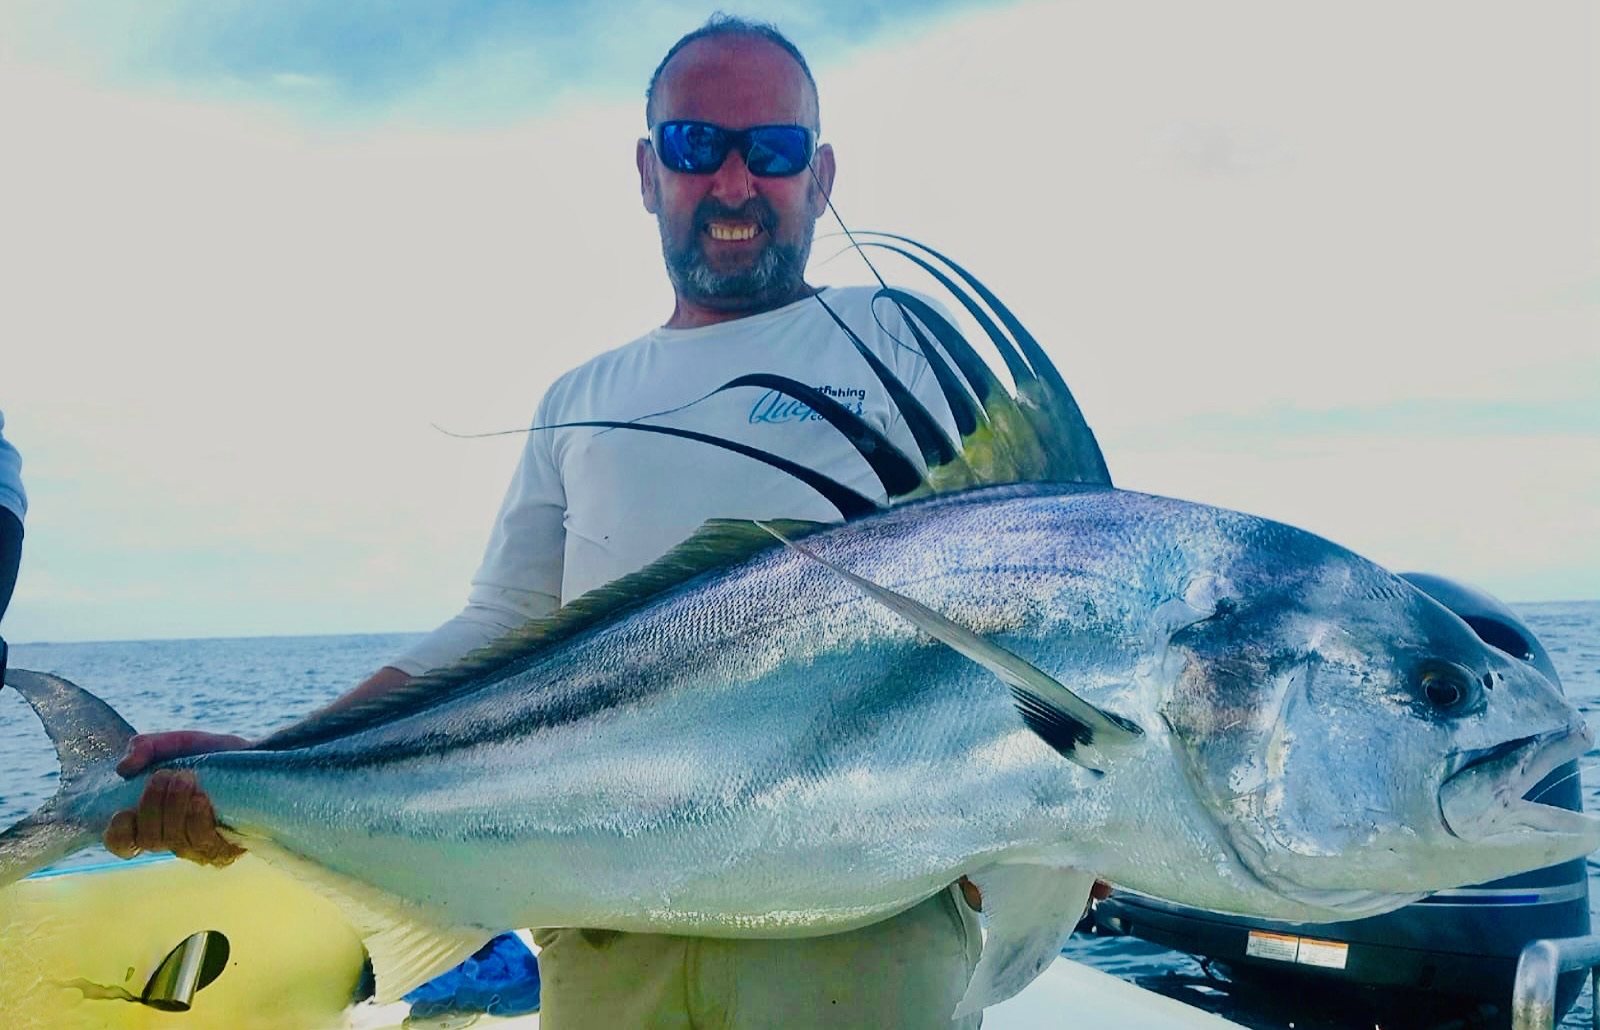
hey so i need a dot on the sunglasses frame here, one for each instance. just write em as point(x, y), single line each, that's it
point(740, 139)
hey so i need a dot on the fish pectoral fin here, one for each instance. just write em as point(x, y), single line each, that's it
point(1061, 718)
point(1030, 910)
point(406, 948)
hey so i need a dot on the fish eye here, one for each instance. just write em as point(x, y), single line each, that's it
point(1450, 688)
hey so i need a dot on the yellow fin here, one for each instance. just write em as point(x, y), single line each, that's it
point(407, 948)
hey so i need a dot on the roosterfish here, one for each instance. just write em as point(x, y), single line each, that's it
point(1006, 670)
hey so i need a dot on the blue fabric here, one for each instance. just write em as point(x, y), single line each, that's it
point(501, 979)
point(11, 494)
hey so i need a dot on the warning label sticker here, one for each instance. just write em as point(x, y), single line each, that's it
point(1327, 954)
point(1276, 946)
point(1306, 951)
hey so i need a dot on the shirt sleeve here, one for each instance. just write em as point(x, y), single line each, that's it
point(520, 577)
point(12, 497)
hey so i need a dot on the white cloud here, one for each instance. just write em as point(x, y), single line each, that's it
point(1235, 208)
point(299, 81)
point(227, 335)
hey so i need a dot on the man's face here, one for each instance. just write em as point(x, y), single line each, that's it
point(735, 243)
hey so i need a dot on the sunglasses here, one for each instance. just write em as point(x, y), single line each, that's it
point(699, 148)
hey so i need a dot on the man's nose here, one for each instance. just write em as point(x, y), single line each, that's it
point(732, 184)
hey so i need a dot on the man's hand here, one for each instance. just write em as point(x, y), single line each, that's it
point(174, 814)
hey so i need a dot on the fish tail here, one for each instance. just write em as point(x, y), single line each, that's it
point(89, 738)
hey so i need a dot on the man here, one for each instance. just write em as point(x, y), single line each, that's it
point(734, 177)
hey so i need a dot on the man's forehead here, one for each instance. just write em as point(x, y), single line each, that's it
point(735, 80)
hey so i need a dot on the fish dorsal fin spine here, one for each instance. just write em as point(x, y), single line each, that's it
point(1064, 448)
point(719, 543)
point(936, 447)
point(897, 473)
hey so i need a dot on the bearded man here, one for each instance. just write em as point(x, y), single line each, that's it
point(733, 173)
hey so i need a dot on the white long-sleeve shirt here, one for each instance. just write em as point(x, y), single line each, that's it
point(587, 506)
point(11, 496)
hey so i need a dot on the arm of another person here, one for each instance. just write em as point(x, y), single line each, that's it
point(13, 505)
point(10, 555)
point(10, 559)
point(520, 579)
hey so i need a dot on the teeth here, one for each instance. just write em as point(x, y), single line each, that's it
point(723, 231)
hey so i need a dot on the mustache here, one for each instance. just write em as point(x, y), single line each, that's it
point(756, 210)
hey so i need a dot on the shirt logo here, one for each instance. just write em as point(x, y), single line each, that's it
point(776, 408)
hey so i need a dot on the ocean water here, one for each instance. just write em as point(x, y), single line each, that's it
point(249, 686)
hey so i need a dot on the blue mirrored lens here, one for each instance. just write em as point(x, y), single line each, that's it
point(777, 149)
point(694, 146)
point(699, 148)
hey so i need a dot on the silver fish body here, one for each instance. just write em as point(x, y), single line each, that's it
point(766, 751)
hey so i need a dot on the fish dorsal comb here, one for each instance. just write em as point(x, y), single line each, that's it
point(1035, 434)
point(1040, 433)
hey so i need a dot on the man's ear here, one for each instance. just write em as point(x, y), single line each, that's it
point(822, 165)
point(644, 157)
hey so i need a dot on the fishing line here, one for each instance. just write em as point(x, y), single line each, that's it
point(641, 419)
point(1571, 775)
point(827, 199)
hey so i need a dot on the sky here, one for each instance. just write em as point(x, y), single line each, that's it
point(1331, 264)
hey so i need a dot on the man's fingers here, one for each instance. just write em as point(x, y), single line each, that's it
point(138, 756)
point(145, 750)
point(1100, 891)
point(147, 816)
point(163, 810)
point(119, 836)
point(173, 815)
point(205, 844)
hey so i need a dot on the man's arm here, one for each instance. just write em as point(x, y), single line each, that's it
point(523, 558)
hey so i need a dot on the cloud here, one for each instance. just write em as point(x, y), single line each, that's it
point(467, 62)
point(1362, 303)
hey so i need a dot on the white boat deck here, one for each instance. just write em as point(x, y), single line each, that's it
point(1068, 994)
point(76, 946)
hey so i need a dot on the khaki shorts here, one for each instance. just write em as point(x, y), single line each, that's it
point(907, 971)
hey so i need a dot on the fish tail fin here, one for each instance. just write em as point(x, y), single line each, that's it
point(39, 839)
point(89, 738)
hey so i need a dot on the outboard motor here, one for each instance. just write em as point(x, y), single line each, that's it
point(1455, 950)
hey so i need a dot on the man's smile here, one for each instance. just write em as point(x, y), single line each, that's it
point(733, 232)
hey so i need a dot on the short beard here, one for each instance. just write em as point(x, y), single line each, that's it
point(777, 276)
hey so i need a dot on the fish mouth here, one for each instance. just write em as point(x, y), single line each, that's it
point(1483, 795)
